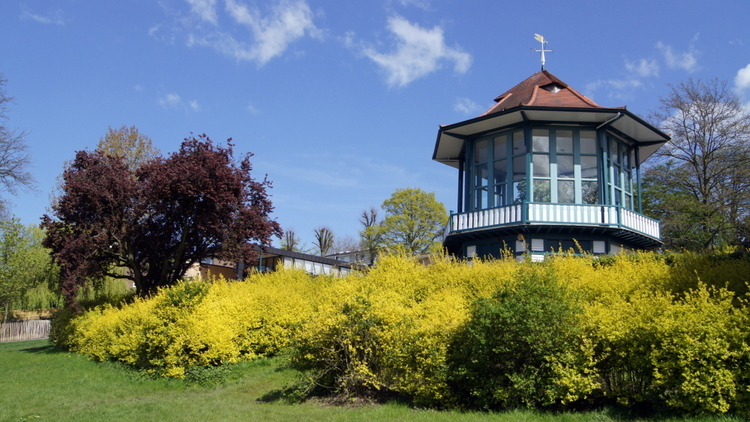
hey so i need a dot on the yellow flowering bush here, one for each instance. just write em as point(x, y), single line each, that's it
point(387, 330)
point(197, 323)
point(666, 329)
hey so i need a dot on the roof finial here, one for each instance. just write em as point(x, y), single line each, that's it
point(543, 41)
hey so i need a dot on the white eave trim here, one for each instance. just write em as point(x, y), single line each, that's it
point(450, 140)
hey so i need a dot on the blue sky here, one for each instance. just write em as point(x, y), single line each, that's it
point(340, 101)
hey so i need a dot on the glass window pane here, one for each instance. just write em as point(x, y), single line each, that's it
point(588, 142)
point(565, 166)
point(500, 195)
point(541, 165)
point(519, 146)
point(542, 191)
point(480, 151)
point(616, 174)
point(628, 182)
point(540, 140)
point(566, 191)
point(614, 155)
point(480, 199)
point(588, 167)
point(519, 167)
point(501, 171)
point(590, 192)
point(627, 152)
point(481, 175)
point(564, 140)
point(501, 147)
point(519, 191)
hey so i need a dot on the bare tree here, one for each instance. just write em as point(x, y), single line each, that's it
point(346, 243)
point(290, 241)
point(324, 240)
point(370, 237)
point(14, 152)
point(700, 187)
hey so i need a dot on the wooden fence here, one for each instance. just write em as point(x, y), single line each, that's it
point(24, 330)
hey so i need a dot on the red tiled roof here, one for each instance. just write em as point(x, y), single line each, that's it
point(542, 89)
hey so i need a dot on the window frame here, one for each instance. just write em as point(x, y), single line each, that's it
point(491, 191)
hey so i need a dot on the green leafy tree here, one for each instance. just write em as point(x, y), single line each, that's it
point(700, 184)
point(24, 262)
point(414, 221)
point(686, 222)
point(130, 144)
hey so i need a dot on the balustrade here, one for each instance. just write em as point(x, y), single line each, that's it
point(567, 214)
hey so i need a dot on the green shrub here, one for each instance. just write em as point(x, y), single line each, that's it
point(522, 347)
point(62, 330)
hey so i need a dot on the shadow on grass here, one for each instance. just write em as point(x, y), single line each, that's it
point(294, 394)
point(47, 349)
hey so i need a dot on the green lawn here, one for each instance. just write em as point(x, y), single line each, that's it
point(39, 382)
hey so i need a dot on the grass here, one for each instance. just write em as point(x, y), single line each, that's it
point(39, 382)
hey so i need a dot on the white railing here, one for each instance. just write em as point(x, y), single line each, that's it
point(530, 213)
point(640, 223)
point(486, 218)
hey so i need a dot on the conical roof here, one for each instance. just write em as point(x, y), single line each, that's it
point(543, 97)
point(541, 89)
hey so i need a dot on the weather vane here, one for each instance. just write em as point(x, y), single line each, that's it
point(543, 41)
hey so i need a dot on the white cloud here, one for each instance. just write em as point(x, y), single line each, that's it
point(617, 84)
point(153, 30)
point(615, 89)
point(742, 85)
point(271, 34)
point(644, 68)
point(54, 17)
point(467, 106)
point(349, 39)
point(173, 100)
point(170, 100)
point(637, 73)
point(419, 51)
point(205, 10)
point(420, 4)
point(252, 109)
point(742, 80)
point(675, 60)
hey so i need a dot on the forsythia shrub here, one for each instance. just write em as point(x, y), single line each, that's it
point(196, 324)
point(668, 330)
point(688, 353)
point(702, 353)
point(386, 331)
